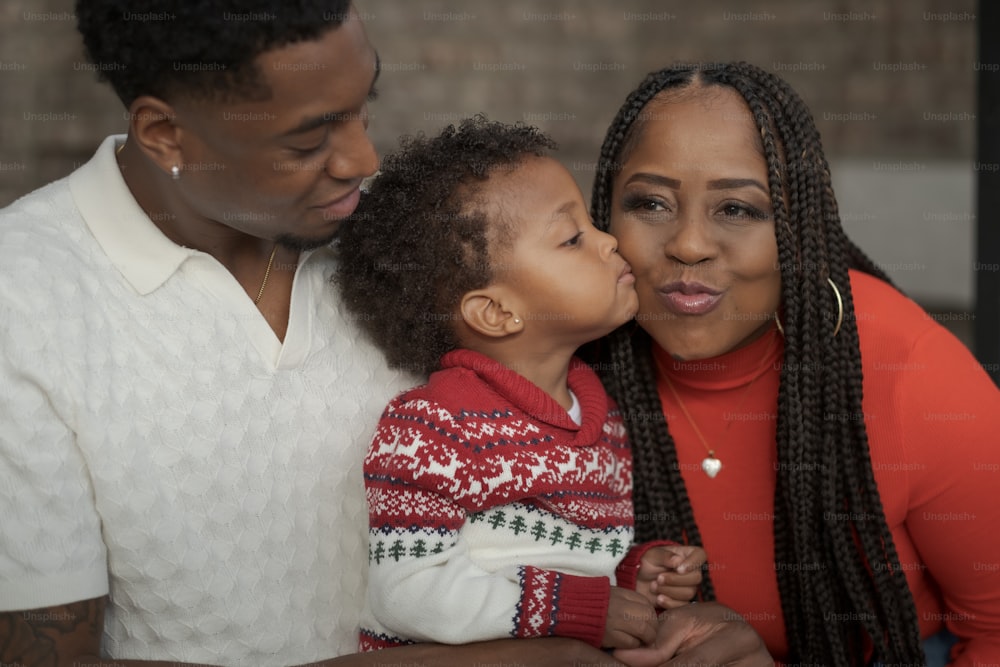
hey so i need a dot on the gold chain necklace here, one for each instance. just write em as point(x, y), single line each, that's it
point(711, 463)
point(267, 273)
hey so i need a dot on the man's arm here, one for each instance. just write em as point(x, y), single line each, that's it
point(62, 636)
point(70, 636)
point(66, 635)
point(540, 652)
point(704, 634)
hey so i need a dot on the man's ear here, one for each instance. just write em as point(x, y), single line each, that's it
point(151, 125)
point(484, 313)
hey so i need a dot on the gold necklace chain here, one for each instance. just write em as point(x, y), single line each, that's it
point(267, 273)
point(711, 463)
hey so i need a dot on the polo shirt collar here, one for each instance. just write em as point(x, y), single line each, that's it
point(134, 244)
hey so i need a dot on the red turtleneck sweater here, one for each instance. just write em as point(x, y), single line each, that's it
point(933, 421)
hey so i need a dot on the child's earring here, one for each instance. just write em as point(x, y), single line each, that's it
point(517, 320)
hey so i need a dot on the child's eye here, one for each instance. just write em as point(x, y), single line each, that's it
point(575, 241)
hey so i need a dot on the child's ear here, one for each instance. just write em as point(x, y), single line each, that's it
point(484, 313)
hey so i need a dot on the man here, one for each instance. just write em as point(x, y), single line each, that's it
point(183, 404)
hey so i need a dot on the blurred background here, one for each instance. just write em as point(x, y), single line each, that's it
point(892, 84)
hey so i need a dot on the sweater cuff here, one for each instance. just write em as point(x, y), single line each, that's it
point(581, 608)
point(627, 573)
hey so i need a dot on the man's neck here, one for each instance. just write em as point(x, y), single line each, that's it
point(178, 222)
point(256, 263)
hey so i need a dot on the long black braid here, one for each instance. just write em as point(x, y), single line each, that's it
point(838, 572)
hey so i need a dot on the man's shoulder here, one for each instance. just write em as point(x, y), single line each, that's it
point(50, 258)
point(42, 228)
point(44, 204)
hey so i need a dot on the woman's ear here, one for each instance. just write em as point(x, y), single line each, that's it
point(484, 313)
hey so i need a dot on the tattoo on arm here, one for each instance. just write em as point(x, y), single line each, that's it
point(52, 636)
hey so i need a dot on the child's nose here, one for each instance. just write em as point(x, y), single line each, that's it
point(609, 244)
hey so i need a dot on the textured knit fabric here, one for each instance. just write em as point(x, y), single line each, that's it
point(933, 421)
point(159, 442)
point(492, 514)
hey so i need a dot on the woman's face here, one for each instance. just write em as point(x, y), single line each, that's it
point(692, 213)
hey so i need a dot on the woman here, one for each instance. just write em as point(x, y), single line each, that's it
point(831, 446)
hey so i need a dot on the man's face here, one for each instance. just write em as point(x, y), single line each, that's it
point(289, 167)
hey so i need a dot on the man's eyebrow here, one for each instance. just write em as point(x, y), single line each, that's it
point(309, 124)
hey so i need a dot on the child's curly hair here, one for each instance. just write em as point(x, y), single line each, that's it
point(422, 236)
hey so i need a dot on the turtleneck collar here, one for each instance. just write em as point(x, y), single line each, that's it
point(533, 400)
point(726, 371)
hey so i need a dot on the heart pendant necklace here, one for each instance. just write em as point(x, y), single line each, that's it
point(711, 464)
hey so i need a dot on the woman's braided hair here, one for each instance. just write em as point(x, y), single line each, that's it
point(838, 572)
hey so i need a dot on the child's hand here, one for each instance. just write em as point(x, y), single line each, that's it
point(669, 575)
point(632, 621)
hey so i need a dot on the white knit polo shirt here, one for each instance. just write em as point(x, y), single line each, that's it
point(159, 442)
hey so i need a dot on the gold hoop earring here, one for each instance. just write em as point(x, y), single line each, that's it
point(840, 312)
point(840, 307)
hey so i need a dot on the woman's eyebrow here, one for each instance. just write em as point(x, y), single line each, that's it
point(734, 183)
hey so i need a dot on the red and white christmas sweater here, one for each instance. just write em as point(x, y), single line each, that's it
point(493, 514)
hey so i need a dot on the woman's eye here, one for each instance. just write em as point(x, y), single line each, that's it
point(642, 203)
point(743, 211)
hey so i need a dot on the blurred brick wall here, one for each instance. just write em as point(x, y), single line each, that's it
point(873, 77)
point(890, 79)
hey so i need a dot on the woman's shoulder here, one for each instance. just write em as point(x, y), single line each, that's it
point(874, 295)
point(896, 334)
point(886, 318)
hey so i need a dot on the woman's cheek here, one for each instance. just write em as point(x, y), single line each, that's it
point(637, 250)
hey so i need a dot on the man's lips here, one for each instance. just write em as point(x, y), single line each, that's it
point(684, 298)
point(341, 207)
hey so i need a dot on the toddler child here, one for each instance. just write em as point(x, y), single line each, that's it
point(500, 492)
